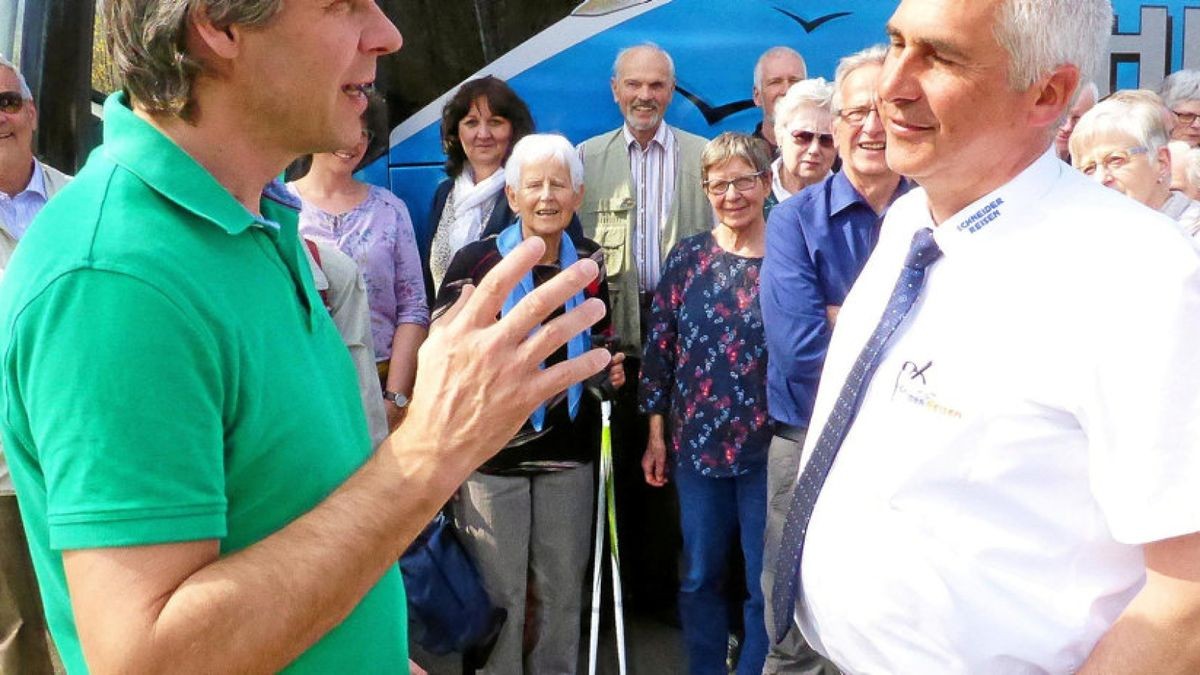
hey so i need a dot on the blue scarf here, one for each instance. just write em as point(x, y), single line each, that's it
point(509, 239)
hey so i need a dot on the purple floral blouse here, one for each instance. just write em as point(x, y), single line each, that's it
point(705, 361)
point(378, 235)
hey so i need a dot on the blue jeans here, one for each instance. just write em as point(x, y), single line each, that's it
point(713, 512)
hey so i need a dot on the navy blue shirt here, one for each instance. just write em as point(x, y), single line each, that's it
point(817, 243)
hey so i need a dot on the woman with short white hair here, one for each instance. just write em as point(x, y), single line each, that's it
point(1181, 94)
point(525, 515)
point(1123, 145)
point(804, 130)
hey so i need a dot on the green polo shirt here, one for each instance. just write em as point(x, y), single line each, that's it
point(170, 374)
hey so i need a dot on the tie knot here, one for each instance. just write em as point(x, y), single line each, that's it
point(924, 250)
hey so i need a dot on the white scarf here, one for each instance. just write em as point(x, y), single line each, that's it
point(469, 201)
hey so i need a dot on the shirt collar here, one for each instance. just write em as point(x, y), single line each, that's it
point(662, 136)
point(781, 193)
point(37, 181)
point(843, 194)
point(138, 147)
point(995, 211)
point(36, 184)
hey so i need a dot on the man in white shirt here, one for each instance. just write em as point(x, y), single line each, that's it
point(1017, 491)
point(25, 185)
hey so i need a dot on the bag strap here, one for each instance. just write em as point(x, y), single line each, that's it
point(316, 254)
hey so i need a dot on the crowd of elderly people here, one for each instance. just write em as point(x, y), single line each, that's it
point(723, 264)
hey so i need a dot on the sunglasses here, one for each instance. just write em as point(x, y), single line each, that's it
point(805, 138)
point(11, 102)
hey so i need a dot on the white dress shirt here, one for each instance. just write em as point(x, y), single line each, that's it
point(1034, 420)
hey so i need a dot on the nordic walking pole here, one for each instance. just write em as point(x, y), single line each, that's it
point(606, 461)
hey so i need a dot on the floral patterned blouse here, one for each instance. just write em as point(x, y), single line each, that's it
point(378, 235)
point(705, 362)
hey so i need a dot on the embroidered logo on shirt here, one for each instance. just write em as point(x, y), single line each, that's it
point(913, 387)
point(983, 216)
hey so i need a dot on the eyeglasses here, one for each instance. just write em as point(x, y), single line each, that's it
point(11, 102)
point(1186, 119)
point(858, 116)
point(805, 138)
point(1113, 160)
point(745, 183)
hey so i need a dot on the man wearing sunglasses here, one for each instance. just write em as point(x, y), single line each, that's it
point(182, 418)
point(817, 243)
point(25, 185)
point(25, 182)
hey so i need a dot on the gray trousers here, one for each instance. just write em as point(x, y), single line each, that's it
point(528, 536)
point(793, 655)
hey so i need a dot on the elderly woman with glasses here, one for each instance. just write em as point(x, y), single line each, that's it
point(804, 129)
point(1122, 143)
point(525, 515)
point(373, 227)
point(704, 386)
point(1181, 93)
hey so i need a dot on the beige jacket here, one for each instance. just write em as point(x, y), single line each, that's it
point(607, 216)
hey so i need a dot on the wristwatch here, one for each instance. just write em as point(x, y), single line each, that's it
point(396, 397)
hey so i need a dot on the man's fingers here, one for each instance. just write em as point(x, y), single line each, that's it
point(501, 279)
point(536, 306)
point(554, 334)
point(560, 376)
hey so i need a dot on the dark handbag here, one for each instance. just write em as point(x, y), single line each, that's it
point(448, 608)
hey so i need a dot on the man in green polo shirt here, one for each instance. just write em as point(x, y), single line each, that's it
point(181, 417)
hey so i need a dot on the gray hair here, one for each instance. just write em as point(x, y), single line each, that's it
point(1089, 88)
point(1041, 35)
point(1138, 118)
point(813, 93)
point(733, 145)
point(1193, 167)
point(873, 55)
point(779, 50)
point(537, 147)
point(146, 40)
point(21, 83)
point(1180, 86)
point(1145, 97)
point(621, 56)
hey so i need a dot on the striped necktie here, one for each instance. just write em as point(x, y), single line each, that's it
point(923, 253)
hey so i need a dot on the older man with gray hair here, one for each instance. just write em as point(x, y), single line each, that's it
point(25, 185)
point(774, 73)
point(643, 196)
point(1017, 458)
